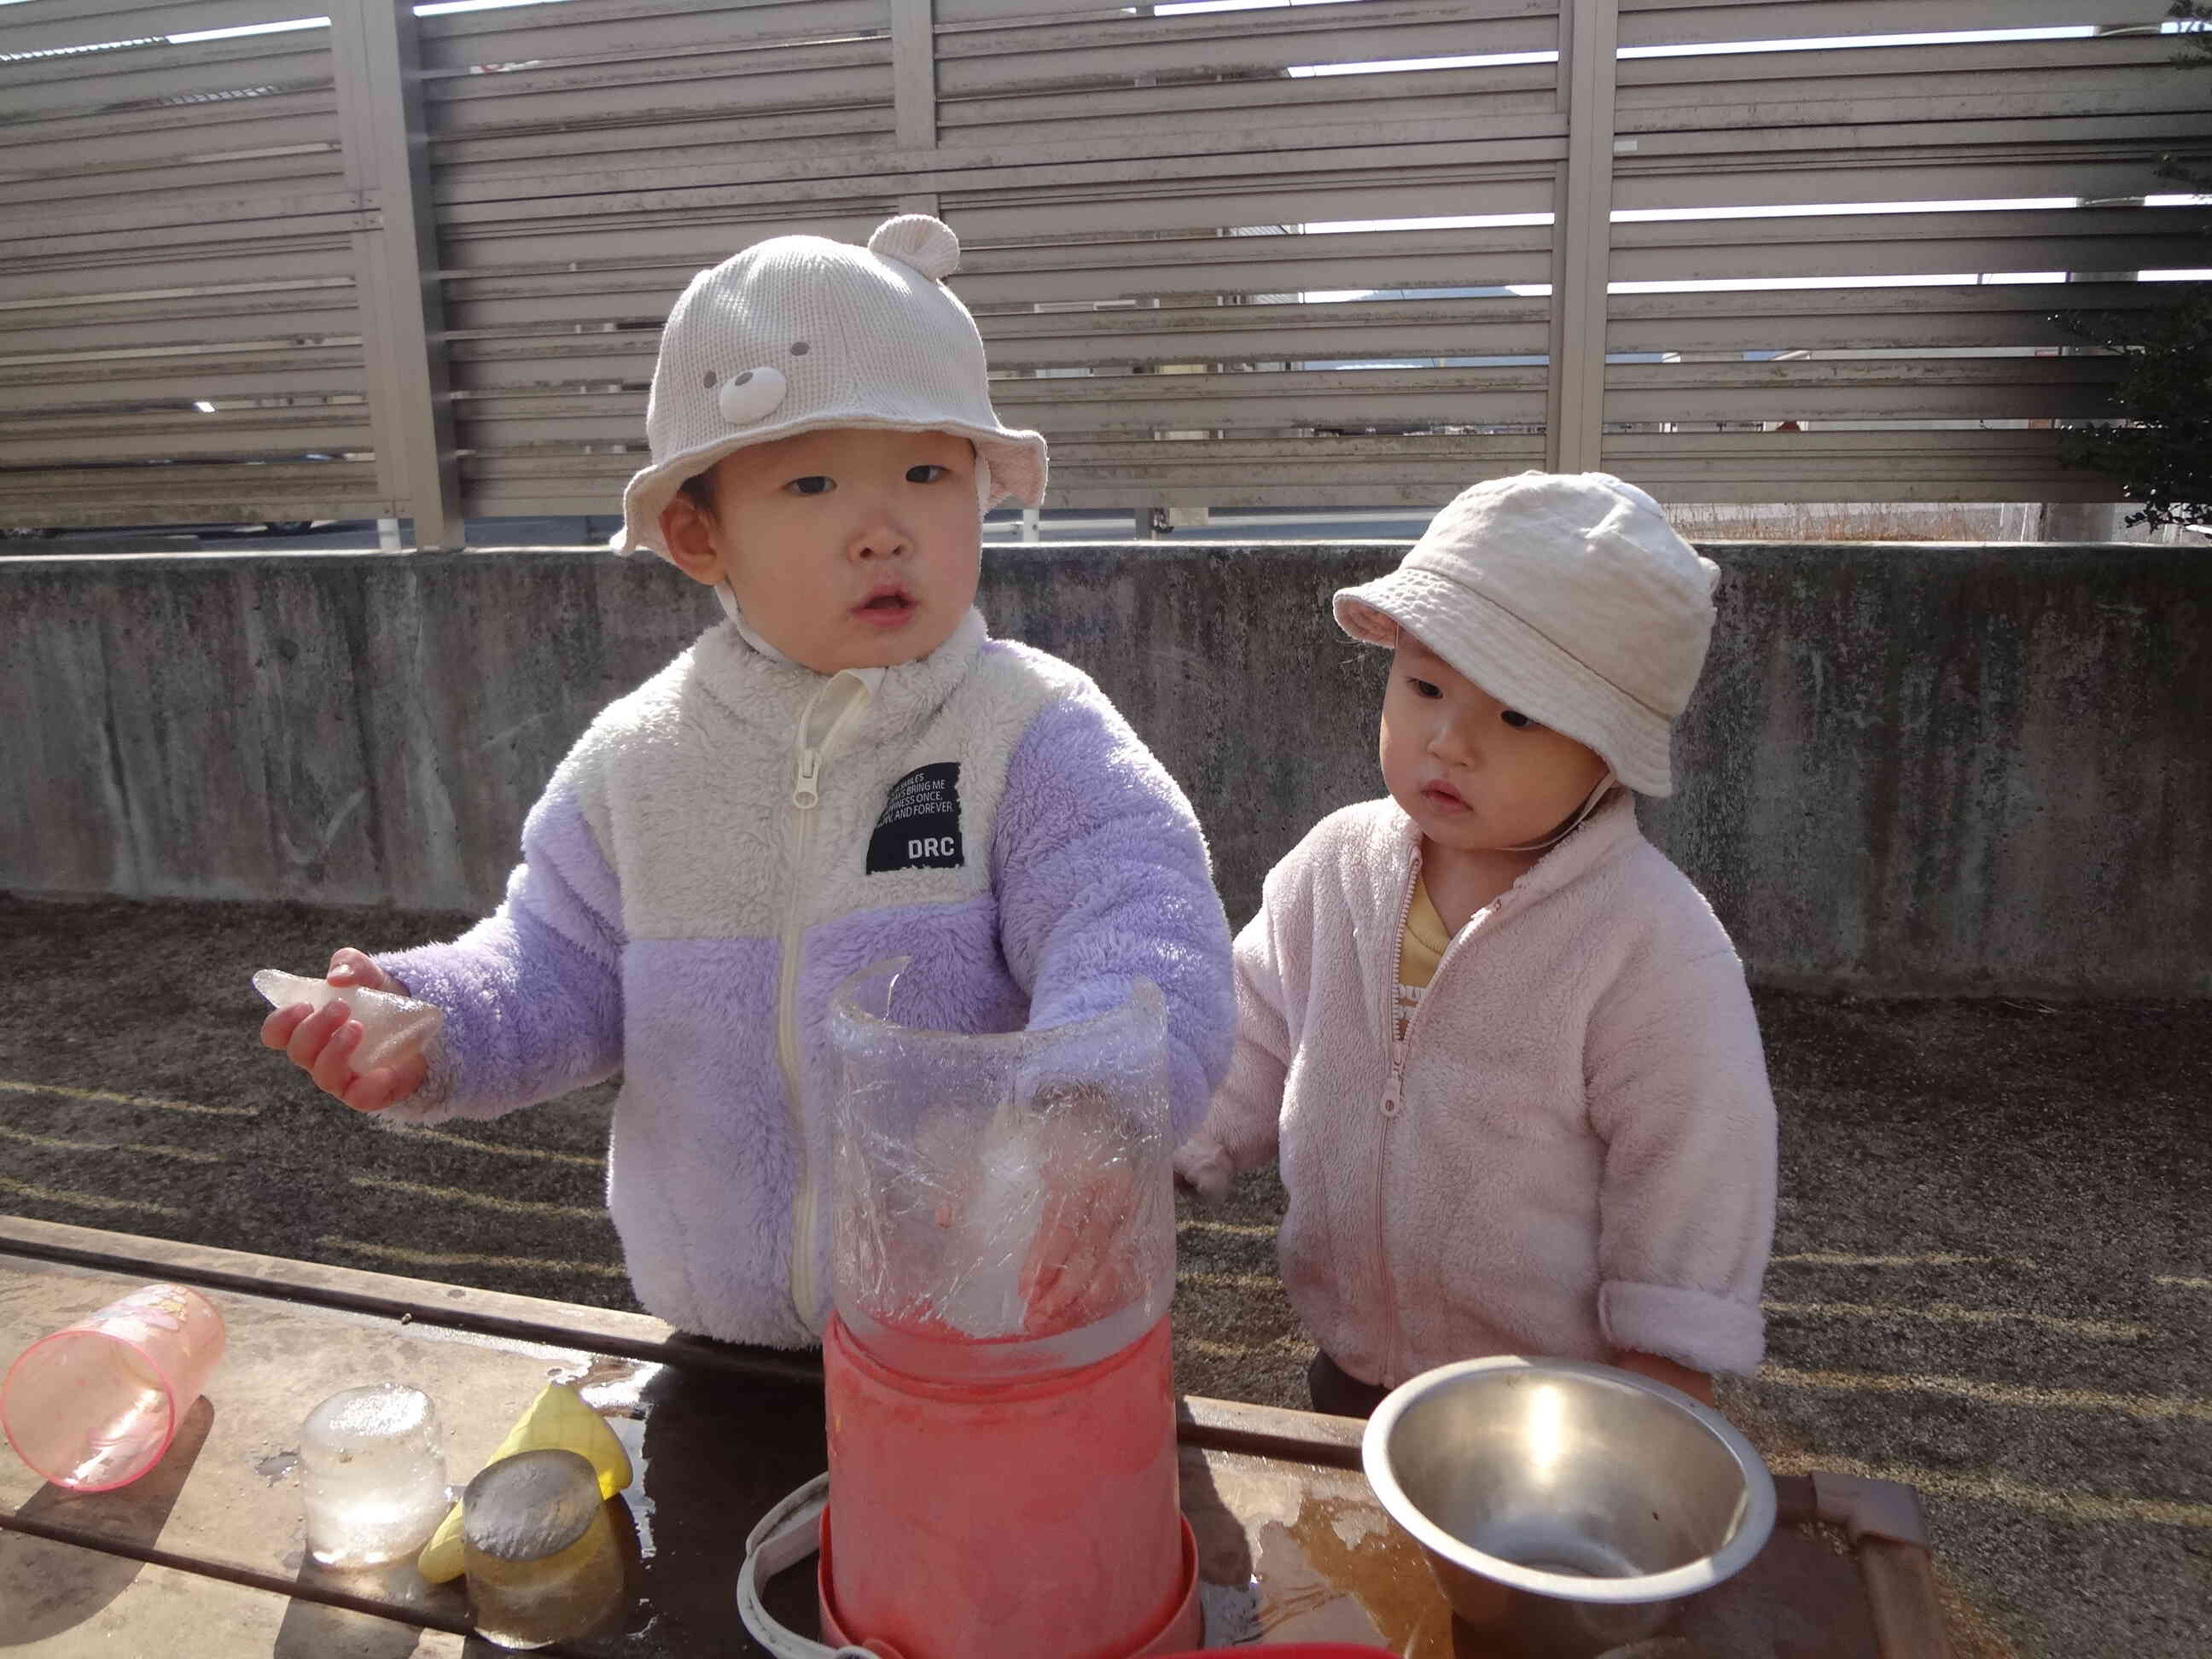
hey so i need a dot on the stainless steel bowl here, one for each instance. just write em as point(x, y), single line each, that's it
point(1565, 1508)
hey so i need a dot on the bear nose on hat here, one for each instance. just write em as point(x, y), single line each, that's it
point(746, 396)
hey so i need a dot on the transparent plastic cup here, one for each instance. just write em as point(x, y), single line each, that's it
point(372, 1475)
point(93, 1406)
point(542, 1561)
point(1004, 1201)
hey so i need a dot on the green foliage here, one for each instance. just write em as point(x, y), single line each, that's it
point(2164, 458)
point(2161, 452)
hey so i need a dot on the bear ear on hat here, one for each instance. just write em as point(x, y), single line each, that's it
point(915, 239)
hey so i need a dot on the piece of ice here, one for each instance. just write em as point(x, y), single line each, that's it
point(392, 1026)
point(372, 1475)
point(541, 1556)
point(993, 1234)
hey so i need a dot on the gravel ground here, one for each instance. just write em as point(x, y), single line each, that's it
point(1992, 1277)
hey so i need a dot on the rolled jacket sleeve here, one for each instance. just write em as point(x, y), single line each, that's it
point(1678, 1090)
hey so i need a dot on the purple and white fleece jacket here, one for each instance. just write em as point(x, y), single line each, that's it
point(984, 810)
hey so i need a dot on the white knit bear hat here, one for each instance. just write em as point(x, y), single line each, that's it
point(1565, 595)
point(798, 333)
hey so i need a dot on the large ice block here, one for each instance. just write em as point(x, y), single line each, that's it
point(372, 1475)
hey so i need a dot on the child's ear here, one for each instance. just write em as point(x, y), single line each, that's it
point(689, 535)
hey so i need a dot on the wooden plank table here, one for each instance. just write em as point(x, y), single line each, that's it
point(202, 1558)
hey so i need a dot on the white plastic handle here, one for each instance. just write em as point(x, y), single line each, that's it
point(787, 1536)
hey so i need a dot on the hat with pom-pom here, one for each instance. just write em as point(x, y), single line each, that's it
point(798, 333)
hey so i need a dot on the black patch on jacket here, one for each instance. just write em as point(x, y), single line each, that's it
point(920, 826)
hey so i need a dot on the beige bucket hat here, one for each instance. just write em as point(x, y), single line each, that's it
point(1567, 596)
point(798, 333)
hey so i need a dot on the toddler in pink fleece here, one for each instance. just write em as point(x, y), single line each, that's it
point(1500, 1047)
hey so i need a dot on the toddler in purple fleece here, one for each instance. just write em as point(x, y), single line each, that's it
point(848, 767)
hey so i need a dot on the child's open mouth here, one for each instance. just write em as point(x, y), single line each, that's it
point(886, 609)
point(1444, 796)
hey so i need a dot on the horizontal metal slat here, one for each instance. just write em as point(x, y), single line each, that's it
point(1758, 76)
point(1895, 389)
point(1520, 184)
point(51, 25)
point(122, 438)
point(1864, 318)
point(537, 365)
point(208, 220)
point(1710, 182)
point(461, 41)
point(478, 155)
point(1705, 22)
point(153, 319)
point(1844, 466)
point(1314, 397)
point(115, 188)
point(1142, 169)
point(646, 87)
point(53, 281)
point(71, 498)
point(1447, 100)
point(1049, 59)
point(695, 238)
point(222, 126)
point(155, 74)
point(1929, 258)
point(1348, 331)
point(30, 379)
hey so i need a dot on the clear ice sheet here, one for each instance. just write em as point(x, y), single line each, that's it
point(392, 1026)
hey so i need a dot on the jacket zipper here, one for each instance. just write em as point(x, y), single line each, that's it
point(1394, 1090)
point(1393, 1096)
point(805, 796)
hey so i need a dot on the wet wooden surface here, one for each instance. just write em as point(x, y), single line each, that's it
point(205, 1556)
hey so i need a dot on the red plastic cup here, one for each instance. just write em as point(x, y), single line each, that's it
point(95, 1405)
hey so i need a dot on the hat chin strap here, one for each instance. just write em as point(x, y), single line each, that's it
point(728, 597)
point(1590, 805)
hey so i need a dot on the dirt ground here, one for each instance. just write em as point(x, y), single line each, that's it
point(1992, 1276)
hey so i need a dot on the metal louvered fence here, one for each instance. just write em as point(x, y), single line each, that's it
point(1355, 252)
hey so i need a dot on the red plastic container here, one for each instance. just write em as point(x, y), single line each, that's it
point(1027, 1519)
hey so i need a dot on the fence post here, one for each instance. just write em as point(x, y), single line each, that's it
point(1582, 238)
point(374, 49)
point(914, 89)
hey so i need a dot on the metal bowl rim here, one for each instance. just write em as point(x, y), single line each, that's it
point(1693, 1575)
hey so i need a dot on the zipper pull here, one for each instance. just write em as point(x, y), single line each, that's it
point(805, 793)
point(1393, 1099)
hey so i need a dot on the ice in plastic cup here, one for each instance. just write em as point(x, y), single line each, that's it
point(95, 1405)
point(542, 1561)
point(372, 1475)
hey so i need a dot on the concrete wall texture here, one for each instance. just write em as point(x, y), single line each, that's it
point(1933, 769)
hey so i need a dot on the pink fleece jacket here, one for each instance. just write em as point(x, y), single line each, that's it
point(1583, 1159)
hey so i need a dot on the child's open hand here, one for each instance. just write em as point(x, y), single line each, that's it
point(1083, 1259)
point(1079, 1264)
point(321, 1042)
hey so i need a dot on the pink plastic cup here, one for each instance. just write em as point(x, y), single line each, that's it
point(95, 1406)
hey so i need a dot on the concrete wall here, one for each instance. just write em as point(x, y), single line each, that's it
point(1908, 768)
